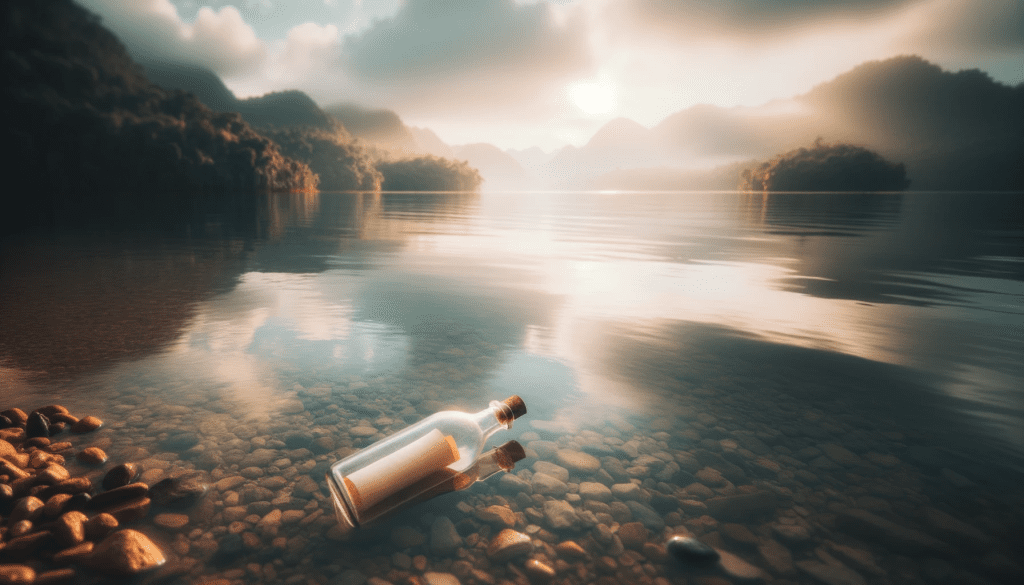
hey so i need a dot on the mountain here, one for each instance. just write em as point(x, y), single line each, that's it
point(957, 130)
point(93, 137)
point(376, 126)
point(500, 171)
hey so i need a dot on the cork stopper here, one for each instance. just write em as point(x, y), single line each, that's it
point(516, 404)
point(508, 454)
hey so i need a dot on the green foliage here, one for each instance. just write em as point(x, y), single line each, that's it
point(428, 173)
point(826, 167)
point(341, 164)
point(89, 128)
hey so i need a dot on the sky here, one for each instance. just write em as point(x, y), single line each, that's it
point(523, 73)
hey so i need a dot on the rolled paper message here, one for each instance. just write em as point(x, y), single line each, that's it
point(404, 467)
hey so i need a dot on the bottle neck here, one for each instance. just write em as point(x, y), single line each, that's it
point(495, 417)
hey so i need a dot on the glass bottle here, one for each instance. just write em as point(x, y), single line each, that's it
point(411, 462)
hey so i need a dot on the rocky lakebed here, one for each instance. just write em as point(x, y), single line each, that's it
point(712, 490)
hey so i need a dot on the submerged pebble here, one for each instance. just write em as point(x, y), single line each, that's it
point(691, 550)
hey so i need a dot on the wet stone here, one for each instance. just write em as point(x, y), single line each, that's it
point(444, 538)
point(15, 574)
point(69, 529)
point(180, 491)
point(100, 526)
point(37, 425)
point(87, 424)
point(590, 490)
point(508, 544)
point(633, 535)
point(92, 456)
point(570, 549)
point(556, 471)
point(560, 514)
point(578, 461)
point(172, 522)
point(126, 552)
point(691, 551)
point(502, 515)
point(539, 570)
point(120, 475)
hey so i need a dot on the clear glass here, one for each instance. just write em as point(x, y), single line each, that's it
point(398, 479)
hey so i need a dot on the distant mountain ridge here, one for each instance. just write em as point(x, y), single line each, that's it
point(957, 130)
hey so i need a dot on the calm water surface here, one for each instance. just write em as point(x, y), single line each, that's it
point(846, 354)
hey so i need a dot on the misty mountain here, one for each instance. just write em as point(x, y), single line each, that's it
point(376, 126)
point(91, 136)
point(500, 170)
point(957, 130)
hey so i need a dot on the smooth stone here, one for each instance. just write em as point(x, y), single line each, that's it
point(626, 491)
point(508, 544)
point(646, 515)
point(543, 483)
point(691, 550)
point(120, 475)
point(69, 529)
point(548, 468)
point(777, 557)
point(560, 514)
point(570, 549)
point(129, 511)
point(739, 569)
point(841, 455)
point(539, 570)
point(75, 554)
point(100, 525)
point(362, 431)
point(591, 490)
point(119, 495)
point(444, 538)
point(37, 425)
point(126, 552)
point(578, 461)
point(92, 456)
point(87, 424)
point(511, 483)
point(29, 508)
point(543, 449)
point(633, 535)
point(259, 458)
point(434, 578)
point(17, 574)
point(173, 522)
point(497, 515)
point(179, 491)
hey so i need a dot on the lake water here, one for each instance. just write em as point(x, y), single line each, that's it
point(827, 387)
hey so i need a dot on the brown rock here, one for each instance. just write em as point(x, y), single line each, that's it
point(17, 416)
point(99, 526)
point(126, 552)
point(51, 409)
point(89, 423)
point(61, 446)
point(19, 528)
point(56, 577)
point(6, 449)
point(69, 529)
point(119, 495)
point(502, 515)
point(540, 570)
point(15, 574)
point(120, 476)
point(13, 434)
point(92, 456)
point(54, 505)
point(173, 522)
point(777, 557)
point(570, 549)
point(738, 534)
point(72, 486)
point(509, 544)
point(53, 474)
point(655, 552)
point(129, 511)
point(12, 470)
point(75, 554)
point(633, 535)
point(23, 546)
point(29, 508)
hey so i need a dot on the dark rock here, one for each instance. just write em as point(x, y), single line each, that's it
point(298, 440)
point(179, 491)
point(79, 501)
point(129, 511)
point(5, 422)
point(231, 546)
point(6, 499)
point(118, 495)
point(37, 425)
point(120, 476)
point(179, 442)
point(691, 551)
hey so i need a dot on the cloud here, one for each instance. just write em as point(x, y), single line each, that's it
point(750, 19)
point(467, 52)
point(152, 30)
point(968, 25)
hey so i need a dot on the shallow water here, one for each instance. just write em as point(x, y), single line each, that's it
point(838, 352)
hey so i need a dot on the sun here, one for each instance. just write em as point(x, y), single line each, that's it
point(593, 97)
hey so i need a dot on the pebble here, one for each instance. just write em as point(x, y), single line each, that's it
point(570, 549)
point(92, 456)
point(434, 578)
point(15, 574)
point(180, 491)
point(502, 515)
point(172, 522)
point(100, 525)
point(444, 538)
point(590, 490)
point(37, 425)
point(691, 550)
point(118, 495)
point(120, 475)
point(126, 552)
point(633, 535)
point(578, 461)
point(560, 514)
point(539, 570)
point(87, 424)
point(509, 544)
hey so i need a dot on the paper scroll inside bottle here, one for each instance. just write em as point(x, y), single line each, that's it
point(388, 475)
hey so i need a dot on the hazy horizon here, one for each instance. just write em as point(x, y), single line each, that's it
point(547, 73)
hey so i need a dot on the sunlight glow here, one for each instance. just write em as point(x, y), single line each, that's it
point(593, 97)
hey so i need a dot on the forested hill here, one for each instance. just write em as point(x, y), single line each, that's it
point(86, 127)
